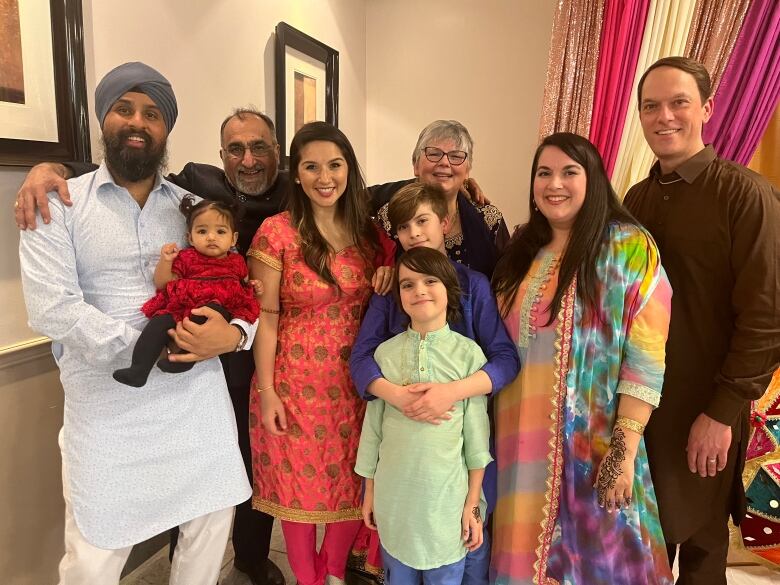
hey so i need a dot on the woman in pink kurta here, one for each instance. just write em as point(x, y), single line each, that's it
point(307, 475)
point(316, 262)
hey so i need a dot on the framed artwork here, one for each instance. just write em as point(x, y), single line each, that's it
point(43, 96)
point(307, 84)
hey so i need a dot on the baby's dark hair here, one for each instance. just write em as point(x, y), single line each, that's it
point(434, 263)
point(232, 211)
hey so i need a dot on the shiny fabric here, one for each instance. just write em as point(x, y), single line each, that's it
point(713, 32)
point(201, 280)
point(571, 67)
point(577, 542)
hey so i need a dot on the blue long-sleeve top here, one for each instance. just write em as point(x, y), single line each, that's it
point(480, 321)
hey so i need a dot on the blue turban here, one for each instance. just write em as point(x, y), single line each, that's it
point(140, 77)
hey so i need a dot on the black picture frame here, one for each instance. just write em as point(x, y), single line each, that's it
point(287, 36)
point(70, 89)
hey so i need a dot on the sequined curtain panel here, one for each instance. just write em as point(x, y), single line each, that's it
point(714, 30)
point(571, 67)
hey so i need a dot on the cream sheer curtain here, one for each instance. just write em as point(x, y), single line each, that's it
point(666, 33)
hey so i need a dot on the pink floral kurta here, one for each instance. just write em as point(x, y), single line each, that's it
point(308, 474)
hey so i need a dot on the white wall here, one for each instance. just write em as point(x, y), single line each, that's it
point(482, 63)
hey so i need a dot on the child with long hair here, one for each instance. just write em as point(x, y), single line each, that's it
point(316, 262)
point(207, 273)
point(423, 482)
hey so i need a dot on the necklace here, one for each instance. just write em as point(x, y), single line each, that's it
point(660, 182)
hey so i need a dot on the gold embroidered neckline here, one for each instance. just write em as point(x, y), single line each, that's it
point(533, 295)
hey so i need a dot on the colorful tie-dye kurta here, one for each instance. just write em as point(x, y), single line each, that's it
point(554, 423)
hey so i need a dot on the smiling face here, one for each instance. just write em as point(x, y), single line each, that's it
point(448, 176)
point(672, 116)
point(423, 298)
point(425, 229)
point(322, 172)
point(134, 137)
point(211, 234)
point(250, 154)
point(559, 187)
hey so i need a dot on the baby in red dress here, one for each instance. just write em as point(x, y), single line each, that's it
point(206, 274)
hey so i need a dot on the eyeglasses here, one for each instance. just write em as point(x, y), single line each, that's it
point(256, 149)
point(456, 157)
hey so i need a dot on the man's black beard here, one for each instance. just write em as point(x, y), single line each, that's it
point(134, 164)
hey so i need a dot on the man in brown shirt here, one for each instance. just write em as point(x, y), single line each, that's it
point(717, 225)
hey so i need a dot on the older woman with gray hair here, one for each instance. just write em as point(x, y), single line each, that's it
point(475, 234)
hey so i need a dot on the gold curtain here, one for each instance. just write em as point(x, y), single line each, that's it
point(714, 30)
point(571, 67)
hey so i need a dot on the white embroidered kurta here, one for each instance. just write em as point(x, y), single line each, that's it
point(139, 460)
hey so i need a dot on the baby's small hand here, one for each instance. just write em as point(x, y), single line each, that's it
point(257, 286)
point(169, 252)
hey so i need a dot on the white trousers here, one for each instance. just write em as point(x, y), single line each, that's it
point(196, 561)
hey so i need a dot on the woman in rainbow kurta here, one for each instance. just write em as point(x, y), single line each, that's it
point(585, 298)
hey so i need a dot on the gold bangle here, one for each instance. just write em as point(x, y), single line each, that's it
point(271, 311)
point(264, 388)
point(630, 424)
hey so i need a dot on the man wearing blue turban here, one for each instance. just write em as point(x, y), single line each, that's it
point(135, 463)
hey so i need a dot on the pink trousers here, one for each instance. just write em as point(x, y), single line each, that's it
point(309, 566)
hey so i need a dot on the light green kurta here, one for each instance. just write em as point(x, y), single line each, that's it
point(420, 470)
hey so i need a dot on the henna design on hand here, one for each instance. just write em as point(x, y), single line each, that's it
point(611, 465)
point(476, 513)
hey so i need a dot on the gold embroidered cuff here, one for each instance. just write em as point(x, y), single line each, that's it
point(630, 424)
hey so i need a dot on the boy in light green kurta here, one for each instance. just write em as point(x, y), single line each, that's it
point(423, 486)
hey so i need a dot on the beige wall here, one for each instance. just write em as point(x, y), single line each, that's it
point(219, 54)
point(482, 63)
point(32, 521)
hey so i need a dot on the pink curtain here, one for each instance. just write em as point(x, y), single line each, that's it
point(621, 39)
point(750, 87)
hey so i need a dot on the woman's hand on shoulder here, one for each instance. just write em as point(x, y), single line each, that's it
point(472, 191)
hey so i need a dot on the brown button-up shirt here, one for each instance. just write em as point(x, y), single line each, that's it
point(717, 225)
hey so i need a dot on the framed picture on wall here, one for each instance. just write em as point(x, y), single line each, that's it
point(43, 96)
point(307, 84)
